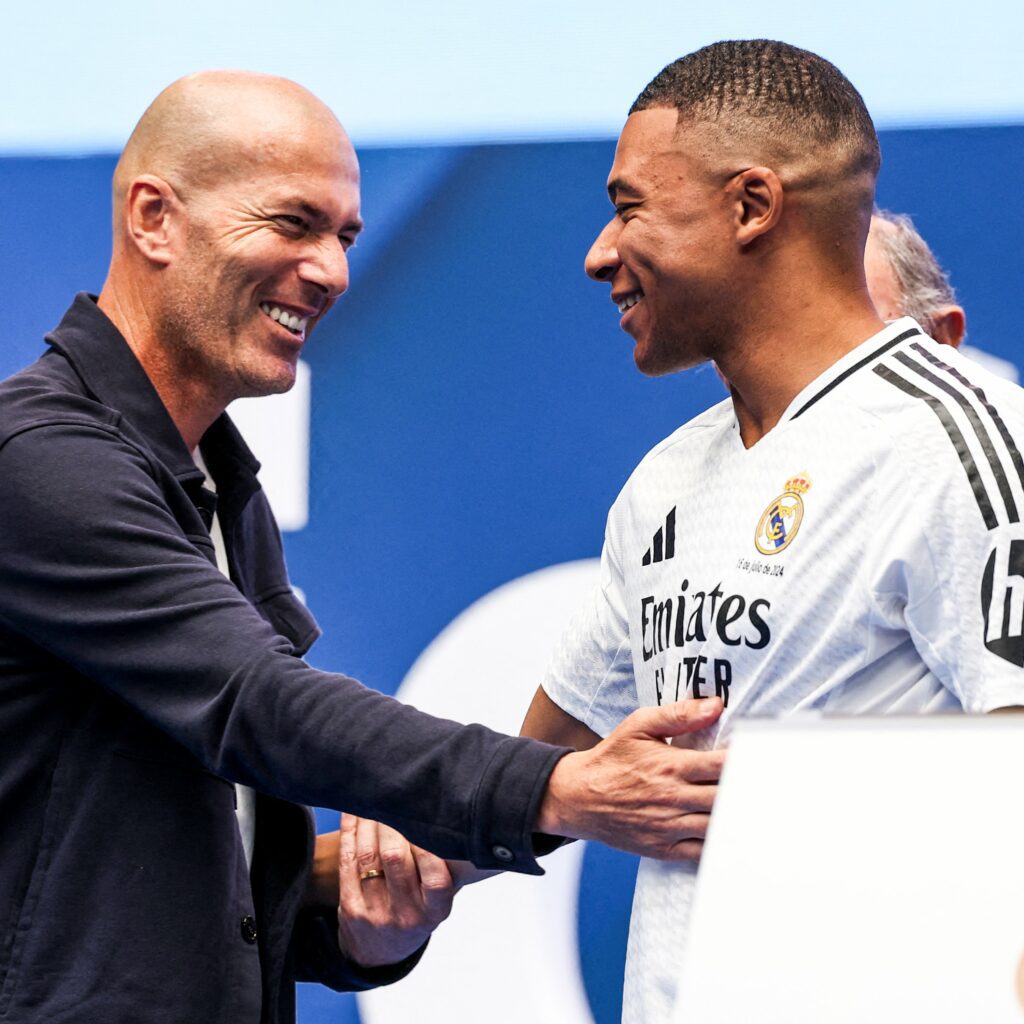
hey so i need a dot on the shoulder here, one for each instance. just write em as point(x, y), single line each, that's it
point(667, 462)
point(689, 440)
point(48, 393)
point(927, 389)
point(57, 441)
point(946, 419)
point(921, 371)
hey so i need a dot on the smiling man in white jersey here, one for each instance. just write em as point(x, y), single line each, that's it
point(843, 533)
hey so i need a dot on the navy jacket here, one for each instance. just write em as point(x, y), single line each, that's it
point(137, 684)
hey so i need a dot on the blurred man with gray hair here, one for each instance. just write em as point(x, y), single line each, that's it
point(905, 279)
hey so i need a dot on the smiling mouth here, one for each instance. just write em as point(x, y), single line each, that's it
point(628, 301)
point(289, 321)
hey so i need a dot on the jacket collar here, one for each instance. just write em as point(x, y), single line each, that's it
point(101, 357)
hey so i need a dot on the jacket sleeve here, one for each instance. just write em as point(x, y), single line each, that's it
point(96, 570)
point(318, 958)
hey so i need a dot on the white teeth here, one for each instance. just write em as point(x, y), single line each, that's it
point(629, 301)
point(294, 323)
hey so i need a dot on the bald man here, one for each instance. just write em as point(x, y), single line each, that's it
point(158, 726)
point(841, 534)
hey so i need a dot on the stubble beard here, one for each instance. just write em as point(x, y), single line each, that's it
point(206, 351)
point(698, 339)
point(191, 343)
point(666, 352)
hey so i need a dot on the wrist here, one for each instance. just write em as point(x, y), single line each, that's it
point(556, 814)
point(322, 885)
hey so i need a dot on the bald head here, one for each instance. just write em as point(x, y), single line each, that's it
point(236, 200)
point(217, 124)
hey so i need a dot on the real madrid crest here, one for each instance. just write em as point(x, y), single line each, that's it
point(781, 520)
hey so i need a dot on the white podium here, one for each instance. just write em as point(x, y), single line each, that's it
point(863, 870)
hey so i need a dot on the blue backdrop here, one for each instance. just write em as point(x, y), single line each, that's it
point(475, 408)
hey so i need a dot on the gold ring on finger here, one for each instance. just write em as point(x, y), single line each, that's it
point(365, 876)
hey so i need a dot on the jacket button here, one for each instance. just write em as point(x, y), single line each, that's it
point(249, 929)
point(503, 853)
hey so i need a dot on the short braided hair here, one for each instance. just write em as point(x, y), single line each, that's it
point(775, 87)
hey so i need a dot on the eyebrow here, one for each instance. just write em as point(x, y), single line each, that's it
point(314, 213)
point(617, 185)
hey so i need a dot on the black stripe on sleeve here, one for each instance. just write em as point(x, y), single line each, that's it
point(1002, 482)
point(1011, 447)
point(853, 369)
point(947, 421)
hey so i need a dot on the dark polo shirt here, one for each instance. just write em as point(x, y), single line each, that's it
point(137, 685)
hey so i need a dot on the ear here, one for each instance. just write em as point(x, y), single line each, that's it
point(948, 325)
point(154, 218)
point(756, 196)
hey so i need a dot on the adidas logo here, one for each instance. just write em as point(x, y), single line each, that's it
point(663, 547)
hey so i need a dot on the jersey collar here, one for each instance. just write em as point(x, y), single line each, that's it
point(866, 353)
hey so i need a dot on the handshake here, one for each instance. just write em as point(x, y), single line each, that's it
point(633, 790)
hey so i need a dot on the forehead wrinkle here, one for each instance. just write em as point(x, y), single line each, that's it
point(660, 153)
point(318, 216)
point(296, 197)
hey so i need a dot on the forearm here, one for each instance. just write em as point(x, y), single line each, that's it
point(322, 888)
point(547, 722)
point(110, 583)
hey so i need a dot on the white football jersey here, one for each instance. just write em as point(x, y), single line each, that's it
point(865, 556)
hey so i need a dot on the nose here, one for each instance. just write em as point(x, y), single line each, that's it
point(327, 268)
point(603, 259)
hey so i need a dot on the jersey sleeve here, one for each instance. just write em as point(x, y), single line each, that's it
point(955, 513)
point(590, 676)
